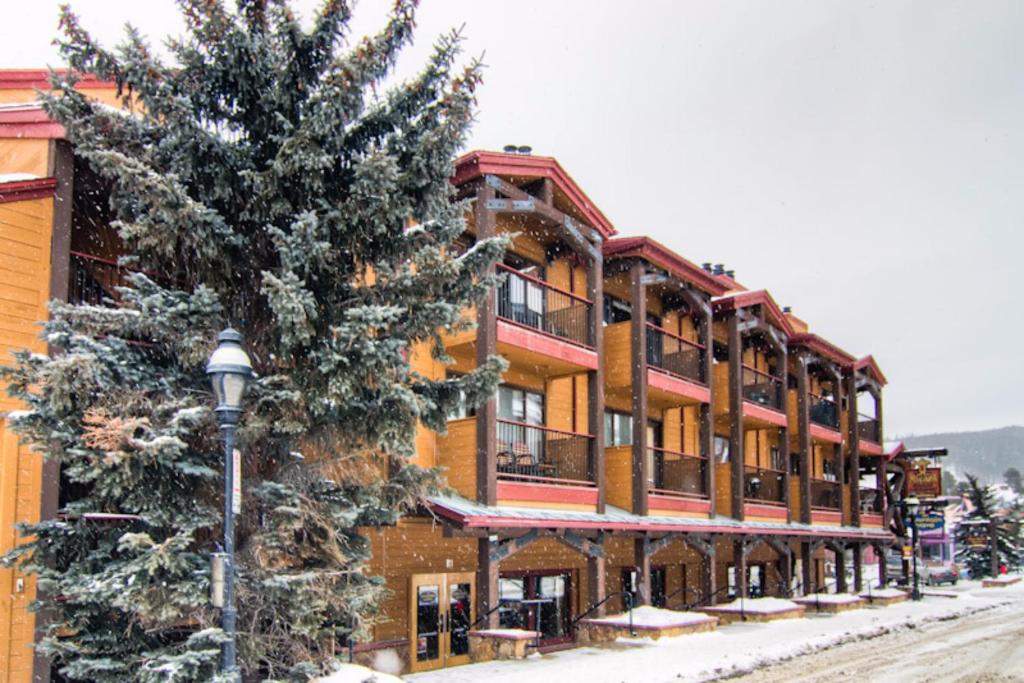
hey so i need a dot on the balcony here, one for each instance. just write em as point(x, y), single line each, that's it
point(675, 355)
point(94, 280)
point(533, 303)
point(764, 485)
point(677, 474)
point(762, 388)
point(870, 501)
point(826, 494)
point(823, 412)
point(867, 429)
point(534, 453)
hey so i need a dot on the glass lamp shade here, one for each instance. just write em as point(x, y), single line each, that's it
point(229, 369)
point(912, 504)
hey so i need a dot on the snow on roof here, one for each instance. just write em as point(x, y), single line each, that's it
point(16, 177)
point(757, 606)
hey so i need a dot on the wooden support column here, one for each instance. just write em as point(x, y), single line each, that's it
point(739, 563)
point(840, 550)
point(853, 437)
point(883, 576)
point(642, 563)
point(595, 378)
point(803, 420)
point(785, 563)
point(858, 567)
point(596, 583)
point(993, 546)
point(487, 582)
point(486, 346)
point(736, 456)
point(808, 579)
point(638, 364)
point(707, 426)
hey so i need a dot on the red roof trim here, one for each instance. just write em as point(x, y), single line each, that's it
point(478, 163)
point(895, 452)
point(871, 365)
point(732, 302)
point(18, 79)
point(660, 255)
point(24, 190)
point(28, 121)
point(822, 348)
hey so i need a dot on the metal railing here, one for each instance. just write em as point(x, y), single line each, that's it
point(677, 473)
point(871, 500)
point(826, 494)
point(532, 302)
point(627, 599)
point(867, 428)
point(674, 354)
point(535, 452)
point(763, 388)
point(760, 483)
point(823, 412)
point(94, 280)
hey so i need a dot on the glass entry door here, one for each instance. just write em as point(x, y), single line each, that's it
point(441, 612)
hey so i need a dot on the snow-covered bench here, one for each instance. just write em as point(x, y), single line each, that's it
point(648, 622)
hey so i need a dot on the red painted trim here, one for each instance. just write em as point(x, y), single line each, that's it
point(870, 447)
point(658, 379)
point(24, 190)
point(827, 516)
point(823, 433)
point(871, 518)
point(660, 255)
point(732, 302)
point(479, 163)
point(18, 79)
point(822, 348)
point(769, 415)
point(28, 121)
point(546, 493)
point(548, 345)
point(869, 364)
point(766, 510)
point(896, 451)
point(677, 504)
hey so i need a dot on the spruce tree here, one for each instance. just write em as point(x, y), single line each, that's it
point(276, 181)
point(979, 559)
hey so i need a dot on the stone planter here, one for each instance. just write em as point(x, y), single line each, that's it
point(505, 643)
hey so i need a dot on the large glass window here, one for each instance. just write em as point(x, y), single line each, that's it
point(520, 405)
point(537, 602)
point(618, 429)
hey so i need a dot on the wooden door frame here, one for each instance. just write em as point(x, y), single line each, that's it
point(444, 581)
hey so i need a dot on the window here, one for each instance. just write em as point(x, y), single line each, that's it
point(616, 310)
point(618, 429)
point(520, 405)
point(463, 409)
point(721, 449)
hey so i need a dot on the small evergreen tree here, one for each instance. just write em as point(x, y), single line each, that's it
point(1013, 480)
point(265, 178)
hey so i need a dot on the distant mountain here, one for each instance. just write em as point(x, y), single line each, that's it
point(985, 454)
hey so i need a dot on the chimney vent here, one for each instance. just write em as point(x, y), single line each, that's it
point(731, 274)
point(719, 269)
point(511, 149)
point(787, 309)
point(706, 266)
point(525, 149)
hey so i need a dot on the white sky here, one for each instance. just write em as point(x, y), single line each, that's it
point(863, 161)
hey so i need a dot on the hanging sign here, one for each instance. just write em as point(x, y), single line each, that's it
point(930, 521)
point(924, 482)
point(236, 478)
point(977, 542)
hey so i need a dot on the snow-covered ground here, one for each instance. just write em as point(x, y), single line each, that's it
point(733, 648)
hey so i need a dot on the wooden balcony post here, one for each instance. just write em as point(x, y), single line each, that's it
point(736, 456)
point(595, 378)
point(638, 363)
point(487, 594)
point(803, 420)
point(710, 573)
point(706, 416)
point(858, 567)
point(853, 435)
point(486, 346)
point(596, 582)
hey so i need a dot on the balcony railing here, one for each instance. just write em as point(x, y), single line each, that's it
point(674, 473)
point(674, 354)
point(871, 500)
point(533, 452)
point(762, 388)
point(826, 494)
point(867, 428)
point(823, 412)
point(764, 484)
point(94, 280)
point(532, 302)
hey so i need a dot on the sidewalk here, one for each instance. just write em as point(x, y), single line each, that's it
point(734, 648)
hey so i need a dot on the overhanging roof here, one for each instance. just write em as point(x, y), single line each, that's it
point(822, 347)
point(469, 515)
point(528, 166)
point(663, 257)
point(870, 365)
point(745, 299)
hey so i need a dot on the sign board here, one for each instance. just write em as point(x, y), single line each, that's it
point(236, 493)
point(930, 521)
point(924, 482)
point(977, 542)
point(908, 552)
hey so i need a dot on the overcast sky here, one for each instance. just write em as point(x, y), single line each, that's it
point(863, 161)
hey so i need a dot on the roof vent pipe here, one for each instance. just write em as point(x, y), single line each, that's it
point(731, 274)
point(510, 149)
point(525, 149)
point(719, 269)
point(706, 266)
point(787, 309)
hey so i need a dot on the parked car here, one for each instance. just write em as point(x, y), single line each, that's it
point(940, 572)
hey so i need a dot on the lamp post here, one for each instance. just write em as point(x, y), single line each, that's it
point(913, 504)
point(230, 370)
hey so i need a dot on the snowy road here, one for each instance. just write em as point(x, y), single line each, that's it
point(972, 635)
point(986, 647)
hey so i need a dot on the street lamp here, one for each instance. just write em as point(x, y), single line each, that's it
point(230, 370)
point(913, 504)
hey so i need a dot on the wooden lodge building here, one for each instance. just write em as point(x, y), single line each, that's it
point(661, 432)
